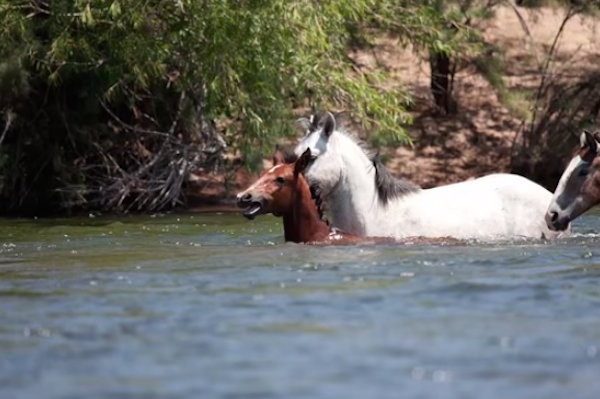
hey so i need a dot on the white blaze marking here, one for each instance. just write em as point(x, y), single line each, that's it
point(274, 168)
point(575, 162)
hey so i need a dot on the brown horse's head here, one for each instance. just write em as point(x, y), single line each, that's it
point(579, 187)
point(275, 191)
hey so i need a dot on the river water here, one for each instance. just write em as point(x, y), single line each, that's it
point(214, 306)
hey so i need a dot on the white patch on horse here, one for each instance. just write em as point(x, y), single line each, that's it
point(564, 179)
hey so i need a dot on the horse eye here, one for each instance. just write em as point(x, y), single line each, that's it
point(280, 180)
point(583, 172)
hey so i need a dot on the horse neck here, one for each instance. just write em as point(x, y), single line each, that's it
point(355, 196)
point(302, 223)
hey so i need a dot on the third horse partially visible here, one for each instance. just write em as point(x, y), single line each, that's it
point(579, 186)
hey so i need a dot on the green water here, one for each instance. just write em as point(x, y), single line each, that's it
point(214, 306)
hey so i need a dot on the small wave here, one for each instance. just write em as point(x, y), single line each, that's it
point(583, 235)
point(465, 287)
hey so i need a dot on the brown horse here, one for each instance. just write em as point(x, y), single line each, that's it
point(283, 191)
point(579, 187)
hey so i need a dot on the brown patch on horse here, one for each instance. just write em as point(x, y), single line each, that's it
point(591, 186)
point(587, 154)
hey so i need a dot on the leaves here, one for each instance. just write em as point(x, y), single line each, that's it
point(248, 65)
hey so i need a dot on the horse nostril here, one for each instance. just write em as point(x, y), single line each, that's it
point(553, 216)
point(244, 199)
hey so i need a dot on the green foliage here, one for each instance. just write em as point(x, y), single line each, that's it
point(162, 67)
point(490, 65)
point(434, 25)
point(243, 58)
point(106, 94)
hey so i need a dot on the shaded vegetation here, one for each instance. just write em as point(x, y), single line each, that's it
point(560, 109)
point(112, 104)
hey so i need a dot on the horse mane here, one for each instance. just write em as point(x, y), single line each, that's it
point(315, 194)
point(388, 186)
point(288, 155)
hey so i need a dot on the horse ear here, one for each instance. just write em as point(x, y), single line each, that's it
point(597, 139)
point(327, 123)
point(589, 146)
point(302, 162)
point(303, 124)
point(582, 140)
point(278, 156)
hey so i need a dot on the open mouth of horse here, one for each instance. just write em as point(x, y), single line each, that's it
point(251, 209)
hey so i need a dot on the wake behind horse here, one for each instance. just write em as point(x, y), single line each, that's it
point(366, 200)
point(579, 186)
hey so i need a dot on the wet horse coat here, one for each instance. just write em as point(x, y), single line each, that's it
point(366, 200)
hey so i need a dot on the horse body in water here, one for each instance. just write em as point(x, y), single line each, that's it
point(283, 191)
point(579, 186)
point(366, 200)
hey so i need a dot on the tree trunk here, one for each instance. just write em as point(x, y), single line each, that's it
point(440, 80)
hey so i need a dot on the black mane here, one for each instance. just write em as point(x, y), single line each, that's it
point(315, 194)
point(388, 186)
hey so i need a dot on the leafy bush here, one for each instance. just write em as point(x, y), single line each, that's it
point(104, 92)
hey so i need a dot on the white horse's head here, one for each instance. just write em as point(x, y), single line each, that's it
point(579, 187)
point(326, 168)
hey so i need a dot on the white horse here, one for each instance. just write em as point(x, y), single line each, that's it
point(364, 199)
point(579, 187)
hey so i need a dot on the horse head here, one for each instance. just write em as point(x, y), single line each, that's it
point(274, 192)
point(579, 186)
point(326, 164)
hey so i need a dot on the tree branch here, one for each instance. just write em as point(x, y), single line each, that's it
point(571, 12)
point(10, 117)
point(128, 126)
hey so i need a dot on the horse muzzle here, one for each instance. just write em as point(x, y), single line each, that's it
point(557, 222)
point(252, 206)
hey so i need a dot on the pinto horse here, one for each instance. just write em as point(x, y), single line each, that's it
point(579, 186)
point(366, 200)
point(283, 191)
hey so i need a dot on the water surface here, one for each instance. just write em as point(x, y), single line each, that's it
point(214, 306)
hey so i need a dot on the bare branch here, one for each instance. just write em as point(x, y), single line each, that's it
point(571, 12)
point(128, 126)
point(519, 17)
point(10, 117)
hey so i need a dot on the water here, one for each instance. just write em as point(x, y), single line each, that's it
point(213, 306)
